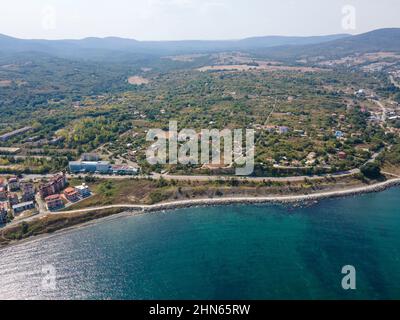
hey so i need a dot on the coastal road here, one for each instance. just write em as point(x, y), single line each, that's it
point(43, 212)
point(157, 176)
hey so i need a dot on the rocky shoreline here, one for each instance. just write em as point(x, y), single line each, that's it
point(291, 199)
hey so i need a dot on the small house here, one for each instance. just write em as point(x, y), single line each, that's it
point(342, 155)
point(83, 191)
point(21, 207)
point(54, 202)
point(71, 194)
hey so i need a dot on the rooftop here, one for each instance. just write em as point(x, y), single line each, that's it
point(53, 197)
point(123, 167)
point(82, 187)
point(69, 190)
point(12, 133)
point(93, 163)
point(4, 205)
point(22, 204)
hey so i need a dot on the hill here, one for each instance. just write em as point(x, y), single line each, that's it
point(111, 46)
point(374, 41)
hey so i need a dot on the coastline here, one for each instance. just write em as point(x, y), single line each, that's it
point(377, 187)
point(94, 215)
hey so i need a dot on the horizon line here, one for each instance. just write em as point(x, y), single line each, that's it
point(193, 39)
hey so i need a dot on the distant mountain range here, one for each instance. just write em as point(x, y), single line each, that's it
point(382, 39)
point(374, 41)
point(110, 45)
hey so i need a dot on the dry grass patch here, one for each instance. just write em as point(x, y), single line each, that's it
point(136, 80)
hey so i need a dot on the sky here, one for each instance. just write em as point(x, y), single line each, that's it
point(192, 19)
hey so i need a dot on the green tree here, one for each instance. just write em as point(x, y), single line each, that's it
point(371, 170)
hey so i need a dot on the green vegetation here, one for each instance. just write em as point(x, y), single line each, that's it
point(148, 191)
point(77, 106)
point(49, 224)
point(31, 165)
point(392, 156)
point(371, 170)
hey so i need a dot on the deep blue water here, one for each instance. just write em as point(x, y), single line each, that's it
point(228, 252)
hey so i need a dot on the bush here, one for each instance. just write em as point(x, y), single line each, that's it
point(158, 196)
point(90, 179)
point(371, 170)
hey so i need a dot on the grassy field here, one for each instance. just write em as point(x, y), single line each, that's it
point(146, 191)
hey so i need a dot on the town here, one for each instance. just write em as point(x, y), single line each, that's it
point(29, 196)
point(199, 150)
point(84, 146)
point(24, 198)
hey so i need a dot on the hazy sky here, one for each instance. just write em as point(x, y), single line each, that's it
point(193, 19)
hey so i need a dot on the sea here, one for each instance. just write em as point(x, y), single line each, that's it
point(223, 252)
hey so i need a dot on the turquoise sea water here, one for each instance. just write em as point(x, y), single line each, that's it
point(228, 252)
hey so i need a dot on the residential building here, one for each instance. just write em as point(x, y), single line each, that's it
point(283, 129)
point(56, 140)
point(55, 185)
point(28, 192)
point(89, 167)
point(374, 118)
point(23, 206)
point(301, 132)
point(311, 158)
point(71, 194)
point(124, 170)
point(103, 167)
point(339, 134)
point(342, 155)
point(90, 157)
point(3, 182)
point(3, 212)
point(13, 184)
point(54, 202)
point(82, 167)
point(270, 128)
point(3, 194)
point(83, 191)
point(9, 150)
point(360, 93)
point(11, 134)
point(13, 199)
